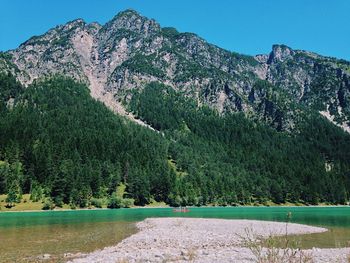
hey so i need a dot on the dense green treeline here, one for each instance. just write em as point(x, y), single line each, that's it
point(62, 146)
point(228, 159)
point(72, 148)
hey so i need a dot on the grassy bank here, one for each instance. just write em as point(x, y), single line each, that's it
point(28, 205)
point(25, 205)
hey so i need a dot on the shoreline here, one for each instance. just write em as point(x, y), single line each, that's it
point(203, 240)
point(170, 207)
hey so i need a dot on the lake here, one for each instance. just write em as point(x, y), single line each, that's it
point(26, 235)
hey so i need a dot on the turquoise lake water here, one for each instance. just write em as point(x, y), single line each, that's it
point(28, 234)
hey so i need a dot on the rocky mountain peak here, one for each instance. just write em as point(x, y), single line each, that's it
point(280, 53)
point(132, 21)
point(127, 13)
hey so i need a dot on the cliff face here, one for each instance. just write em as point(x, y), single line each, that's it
point(317, 82)
point(120, 57)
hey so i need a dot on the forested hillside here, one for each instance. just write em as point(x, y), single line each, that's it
point(61, 145)
point(229, 159)
point(59, 142)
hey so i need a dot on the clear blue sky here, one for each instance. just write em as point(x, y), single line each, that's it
point(245, 26)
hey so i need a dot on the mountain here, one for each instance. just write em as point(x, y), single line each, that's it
point(220, 127)
point(130, 50)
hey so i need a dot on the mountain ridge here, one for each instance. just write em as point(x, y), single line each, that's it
point(130, 50)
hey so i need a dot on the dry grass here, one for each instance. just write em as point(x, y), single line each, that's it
point(191, 254)
point(25, 205)
point(179, 223)
point(274, 249)
point(188, 255)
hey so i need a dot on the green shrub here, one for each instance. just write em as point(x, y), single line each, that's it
point(127, 202)
point(96, 202)
point(114, 201)
point(13, 197)
point(36, 193)
point(58, 200)
point(48, 205)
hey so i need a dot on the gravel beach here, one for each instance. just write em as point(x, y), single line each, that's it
point(202, 240)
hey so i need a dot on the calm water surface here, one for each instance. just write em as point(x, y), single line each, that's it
point(24, 236)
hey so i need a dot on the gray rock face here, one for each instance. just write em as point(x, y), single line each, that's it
point(317, 82)
point(131, 50)
point(280, 53)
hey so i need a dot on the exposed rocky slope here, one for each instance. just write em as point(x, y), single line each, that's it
point(118, 58)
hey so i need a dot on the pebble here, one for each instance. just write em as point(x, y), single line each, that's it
point(44, 257)
point(203, 241)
